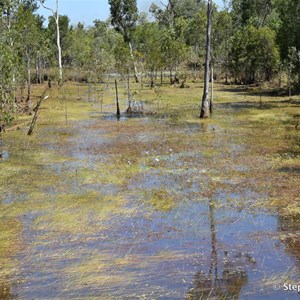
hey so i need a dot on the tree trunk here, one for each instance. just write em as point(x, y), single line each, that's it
point(28, 83)
point(60, 78)
point(152, 79)
point(134, 64)
point(142, 78)
point(289, 83)
point(30, 131)
point(171, 77)
point(128, 94)
point(37, 77)
point(211, 102)
point(205, 105)
point(117, 99)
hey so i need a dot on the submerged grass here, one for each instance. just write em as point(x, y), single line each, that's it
point(93, 192)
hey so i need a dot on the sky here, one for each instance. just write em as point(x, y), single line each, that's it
point(86, 11)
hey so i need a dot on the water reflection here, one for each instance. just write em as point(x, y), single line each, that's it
point(289, 229)
point(225, 277)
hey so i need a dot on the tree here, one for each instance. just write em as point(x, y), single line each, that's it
point(289, 32)
point(255, 54)
point(58, 43)
point(124, 15)
point(254, 12)
point(195, 39)
point(148, 36)
point(9, 61)
point(222, 41)
point(80, 43)
point(205, 104)
point(104, 42)
point(29, 37)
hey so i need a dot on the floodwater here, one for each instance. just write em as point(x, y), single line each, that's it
point(144, 208)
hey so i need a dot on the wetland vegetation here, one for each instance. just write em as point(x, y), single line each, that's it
point(154, 202)
point(156, 206)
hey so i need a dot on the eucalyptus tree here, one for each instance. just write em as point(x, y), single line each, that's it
point(255, 54)
point(195, 39)
point(29, 39)
point(103, 44)
point(9, 61)
point(205, 104)
point(124, 15)
point(288, 36)
point(148, 36)
point(56, 17)
point(175, 26)
point(172, 47)
point(254, 12)
point(222, 33)
point(79, 51)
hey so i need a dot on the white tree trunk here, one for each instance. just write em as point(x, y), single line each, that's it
point(60, 78)
point(134, 64)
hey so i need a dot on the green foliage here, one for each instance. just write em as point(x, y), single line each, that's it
point(122, 56)
point(173, 49)
point(103, 45)
point(124, 15)
point(254, 12)
point(289, 32)
point(65, 37)
point(250, 39)
point(148, 37)
point(222, 33)
point(255, 53)
point(79, 46)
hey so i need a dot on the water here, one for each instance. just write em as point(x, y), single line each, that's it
point(142, 209)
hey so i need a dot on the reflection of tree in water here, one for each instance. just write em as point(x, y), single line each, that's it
point(233, 276)
point(289, 229)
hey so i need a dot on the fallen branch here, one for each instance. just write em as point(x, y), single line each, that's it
point(36, 110)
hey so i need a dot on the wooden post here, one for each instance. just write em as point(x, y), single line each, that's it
point(30, 131)
point(117, 99)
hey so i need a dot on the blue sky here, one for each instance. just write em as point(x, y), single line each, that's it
point(86, 11)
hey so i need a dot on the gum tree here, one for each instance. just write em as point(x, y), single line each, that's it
point(205, 104)
point(124, 15)
point(58, 43)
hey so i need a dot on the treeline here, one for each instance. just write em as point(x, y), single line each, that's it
point(252, 41)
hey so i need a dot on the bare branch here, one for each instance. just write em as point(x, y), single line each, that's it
point(47, 8)
point(166, 6)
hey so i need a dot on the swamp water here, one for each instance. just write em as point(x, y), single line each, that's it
point(143, 208)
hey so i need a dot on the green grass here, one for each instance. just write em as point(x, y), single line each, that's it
point(73, 178)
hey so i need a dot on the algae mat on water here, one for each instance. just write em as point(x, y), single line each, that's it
point(163, 206)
